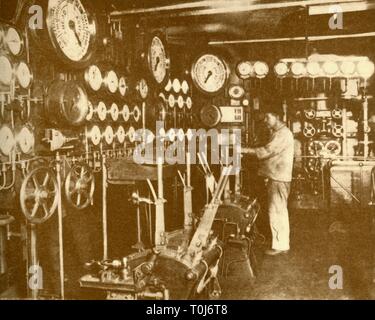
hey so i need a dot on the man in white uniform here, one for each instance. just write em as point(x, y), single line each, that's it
point(275, 166)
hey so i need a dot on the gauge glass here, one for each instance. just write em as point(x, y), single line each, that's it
point(25, 140)
point(120, 134)
point(13, 41)
point(24, 75)
point(7, 140)
point(114, 112)
point(111, 81)
point(126, 113)
point(171, 100)
point(158, 61)
point(176, 85)
point(109, 135)
point(6, 73)
point(210, 73)
point(95, 135)
point(102, 111)
point(180, 102)
point(189, 103)
point(143, 88)
point(245, 69)
point(94, 78)
point(185, 87)
point(131, 134)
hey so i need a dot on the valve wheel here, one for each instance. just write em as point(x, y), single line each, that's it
point(80, 186)
point(310, 114)
point(39, 195)
point(309, 131)
point(336, 113)
point(338, 131)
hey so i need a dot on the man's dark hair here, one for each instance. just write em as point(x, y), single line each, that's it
point(274, 106)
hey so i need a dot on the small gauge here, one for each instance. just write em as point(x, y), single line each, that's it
point(6, 73)
point(158, 60)
point(95, 135)
point(25, 140)
point(210, 116)
point(111, 81)
point(108, 135)
point(185, 87)
point(333, 148)
point(168, 86)
point(189, 103)
point(126, 113)
point(315, 147)
point(131, 134)
point(181, 135)
point(13, 41)
point(94, 78)
point(245, 69)
point(114, 112)
point(261, 69)
point(90, 113)
point(120, 134)
point(171, 135)
point(176, 85)
point(281, 69)
point(24, 75)
point(210, 73)
point(313, 68)
point(136, 114)
point(171, 100)
point(7, 140)
point(122, 86)
point(102, 111)
point(236, 92)
point(298, 69)
point(180, 102)
point(142, 88)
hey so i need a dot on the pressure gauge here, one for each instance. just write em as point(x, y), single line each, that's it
point(108, 135)
point(94, 78)
point(180, 102)
point(95, 135)
point(185, 87)
point(189, 103)
point(126, 113)
point(24, 75)
point(158, 60)
point(122, 86)
point(25, 140)
point(136, 114)
point(261, 69)
point(236, 92)
point(72, 30)
point(176, 85)
point(13, 41)
point(210, 115)
point(90, 114)
point(111, 81)
point(142, 88)
point(120, 134)
point(171, 100)
point(131, 134)
point(333, 148)
point(6, 73)
point(101, 111)
point(114, 112)
point(245, 69)
point(209, 73)
point(7, 140)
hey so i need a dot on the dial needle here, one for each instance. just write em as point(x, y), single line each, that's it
point(208, 76)
point(73, 28)
point(157, 63)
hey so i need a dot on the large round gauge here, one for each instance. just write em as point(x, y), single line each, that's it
point(7, 140)
point(142, 88)
point(6, 74)
point(94, 78)
point(210, 73)
point(111, 81)
point(72, 29)
point(24, 75)
point(25, 140)
point(13, 41)
point(158, 60)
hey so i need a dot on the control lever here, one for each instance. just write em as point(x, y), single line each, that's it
point(57, 140)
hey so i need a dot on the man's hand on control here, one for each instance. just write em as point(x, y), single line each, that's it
point(249, 151)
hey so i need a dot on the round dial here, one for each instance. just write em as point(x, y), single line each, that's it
point(180, 102)
point(185, 87)
point(142, 88)
point(122, 86)
point(24, 75)
point(168, 86)
point(71, 29)
point(126, 113)
point(181, 135)
point(94, 78)
point(171, 100)
point(111, 81)
point(102, 111)
point(6, 73)
point(189, 103)
point(209, 73)
point(114, 112)
point(245, 69)
point(176, 85)
point(120, 134)
point(7, 140)
point(90, 113)
point(210, 115)
point(236, 92)
point(13, 41)
point(109, 135)
point(131, 134)
point(261, 69)
point(136, 113)
point(25, 140)
point(158, 60)
point(95, 135)
point(333, 148)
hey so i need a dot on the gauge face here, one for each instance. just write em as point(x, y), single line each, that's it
point(185, 87)
point(120, 134)
point(114, 112)
point(209, 73)
point(6, 73)
point(25, 140)
point(261, 69)
point(109, 135)
point(210, 115)
point(131, 134)
point(181, 135)
point(136, 113)
point(333, 148)
point(102, 111)
point(180, 102)
point(24, 75)
point(71, 30)
point(122, 86)
point(13, 41)
point(236, 92)
point(189, 103)
point(95, 135)
point(142, 88)
point(126, 113)
point(90, 114)
point(168, 86)
point(94, 78)
point(245, 69)
point(7, 140)
point(176, 85)
point(111, 81)
point(171, 100)
point(158, 60)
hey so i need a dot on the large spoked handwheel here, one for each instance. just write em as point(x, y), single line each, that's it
point(80, 186)
point(39, 195)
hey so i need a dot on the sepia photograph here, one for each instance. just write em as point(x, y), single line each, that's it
point(187, 150)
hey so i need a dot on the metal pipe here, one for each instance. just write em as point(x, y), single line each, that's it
point(104, 207)
point(365, 127)
point(33, 258)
